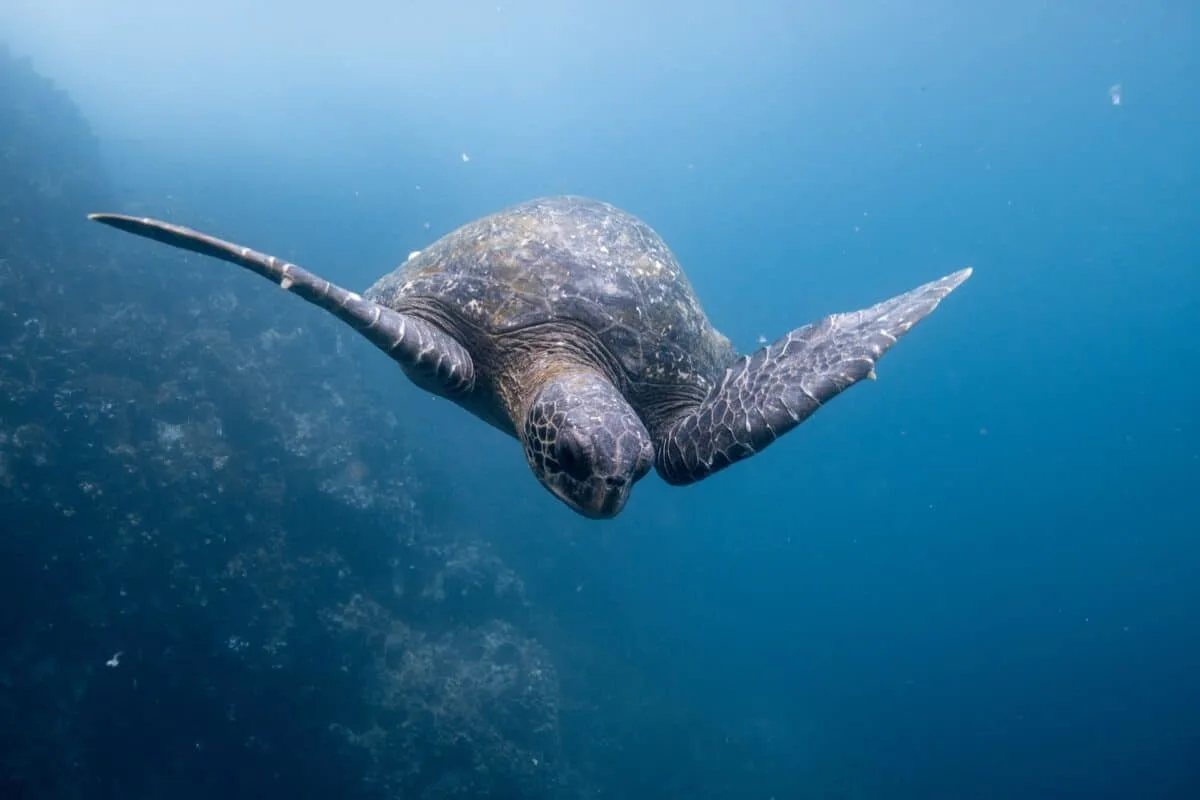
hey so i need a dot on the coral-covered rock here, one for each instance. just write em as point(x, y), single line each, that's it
point(214, 570)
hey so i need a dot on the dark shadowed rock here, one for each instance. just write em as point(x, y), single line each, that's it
point(214, 569)
point(216, 577)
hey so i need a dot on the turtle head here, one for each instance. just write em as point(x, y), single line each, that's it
point(585, 443)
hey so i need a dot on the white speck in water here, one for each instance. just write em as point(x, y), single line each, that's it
point(115, 660)
point(465, 158)
point(169, 434)
point(1114, 92)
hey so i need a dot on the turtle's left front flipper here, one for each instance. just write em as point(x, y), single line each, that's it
point(431, 357)
point(766, 394)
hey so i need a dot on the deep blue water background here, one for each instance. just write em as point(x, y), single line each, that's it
point(975, 577)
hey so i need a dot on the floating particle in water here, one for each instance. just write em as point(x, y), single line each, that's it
point(115, 660)
point(465, 158)
point(1114, 93)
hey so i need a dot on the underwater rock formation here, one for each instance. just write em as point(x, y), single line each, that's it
point(214, 570)
point(216, 576)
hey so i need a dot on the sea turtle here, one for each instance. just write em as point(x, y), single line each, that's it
point(568, 324)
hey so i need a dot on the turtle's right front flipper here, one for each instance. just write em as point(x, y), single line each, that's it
point(764, 395)
point(430, 357)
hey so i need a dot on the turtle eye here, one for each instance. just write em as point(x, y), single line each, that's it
point(570, 458)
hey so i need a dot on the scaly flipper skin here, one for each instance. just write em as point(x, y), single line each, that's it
point(766, 394)
point(430, 357)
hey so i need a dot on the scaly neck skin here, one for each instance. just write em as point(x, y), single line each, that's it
point(540, 356)
point(539, 375)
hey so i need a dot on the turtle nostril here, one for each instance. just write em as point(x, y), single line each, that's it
point(614, 483)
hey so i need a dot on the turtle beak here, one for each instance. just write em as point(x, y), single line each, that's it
point(609, 502)
point(599, 500)
point(607, 499)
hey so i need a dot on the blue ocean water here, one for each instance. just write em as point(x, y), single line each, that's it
point(975, 577)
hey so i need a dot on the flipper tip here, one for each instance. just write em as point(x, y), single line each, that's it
point(111, 219)
point(948, 283)
point(108, 219)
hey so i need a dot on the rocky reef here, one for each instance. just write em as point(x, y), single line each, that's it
point(214, 571)
point(217, 573)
